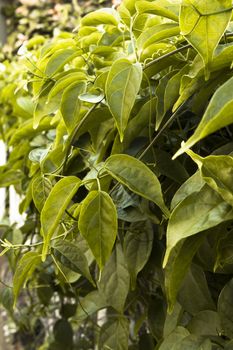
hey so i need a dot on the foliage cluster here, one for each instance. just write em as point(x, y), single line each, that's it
point(118, 215)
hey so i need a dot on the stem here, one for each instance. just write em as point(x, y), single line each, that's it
point(74, 133)
point(170, 120)
point(156, 60)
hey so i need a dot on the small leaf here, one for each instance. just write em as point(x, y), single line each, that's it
point(54, 207)
point(102, 16)
point(24, 270)
point(114, 335)
point(72, 257)
point(138, 243)
point(114, 282)
point(198, 21)
point(196, 213)
point(41, 187)
point(134, 174)
point(98, 224)
point(122, 86)
point(93, 96)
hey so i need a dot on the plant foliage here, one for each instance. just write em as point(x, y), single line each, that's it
point(94, 122)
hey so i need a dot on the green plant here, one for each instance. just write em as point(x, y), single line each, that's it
point(115, 219)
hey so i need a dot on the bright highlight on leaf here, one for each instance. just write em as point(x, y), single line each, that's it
point(122, 86)
point(203, 23)
point(98, 224)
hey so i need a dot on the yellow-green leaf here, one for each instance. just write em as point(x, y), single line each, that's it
point(98, 224)
point(217, 115)
point(25, 268)
point(134, 174)
point(203, 23)
point(54, 207)
point(122, 86)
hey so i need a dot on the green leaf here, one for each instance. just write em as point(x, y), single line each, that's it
point(122, 86)
point(11, 177)
point(164, 8)
point(69, 255)
point(41, 187)
point(114, 335)
point(134, 174)
point(63, 333)
point(59, 59)
point(138, 243)
point(225, 307)
point(25, 268)
point(205, 322)
point(54, 207)
point(114, 282)
point(196, 213)
point(92, 96)
point(178, 265)
point(98, 224)
point(195, 283)
point(217, 115)
point(198, 21)
point(102, 16)
point(90, 304)
point(157, 33)
point(173, 340)
point(217, 172)
point(70, 104)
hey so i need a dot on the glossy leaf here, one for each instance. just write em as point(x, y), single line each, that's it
point(114, 282)
point(137, 177)
point(217, 115)
point(165, 8)
point(54, 207)
point(98, 224)
point(198, 21)
point(217, 172)
point(70, 104)
point(122, 86)
point(196, 213)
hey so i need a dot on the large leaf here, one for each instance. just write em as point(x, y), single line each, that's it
point(217, 171)
point(11, 177)
point(217, 115)
point(206, 322)
point(98, 224)
point(114, 283)
point(138, 243)
point(24, 270)
point(114, 335)
point(54, 207)
point(134, 174)
point(196, 213)
point(122, 86)
point(69, 254)
point(198, 23)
